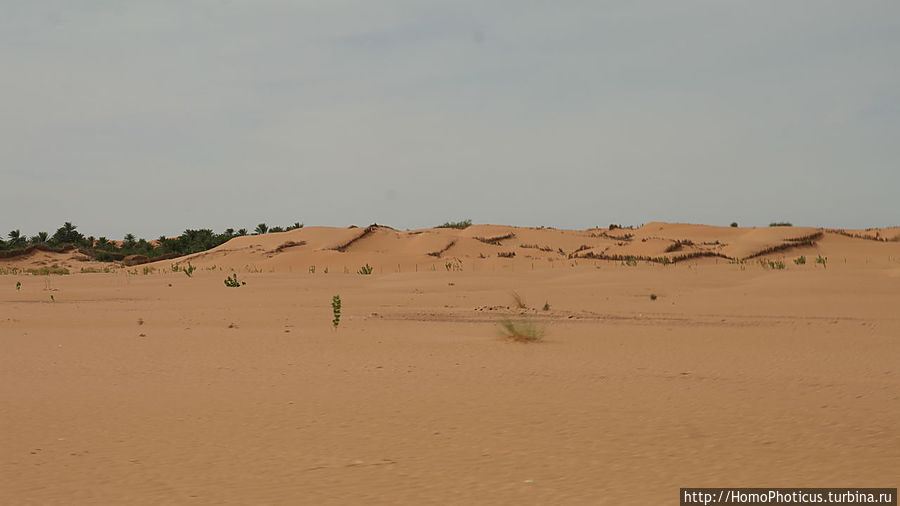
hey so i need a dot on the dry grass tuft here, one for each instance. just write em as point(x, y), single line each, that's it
point(518, 300)
point(521, 331)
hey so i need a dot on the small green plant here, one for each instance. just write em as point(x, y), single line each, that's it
point(18, 285)
point(822, 260)
point(365, 270)
point(546, 306)
point(52, 299)
point(521, 331)
point(456, 224)
point(149, 270)
point(336, 311)
point(232, 281)
point(771, 264)
point(800, 260)
point(175, 268)
point(653, 296)
point(189, 270)
point(630, 261)
point(664, 260)
point(326, 270)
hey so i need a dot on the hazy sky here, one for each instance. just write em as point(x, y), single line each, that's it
point(152, 117)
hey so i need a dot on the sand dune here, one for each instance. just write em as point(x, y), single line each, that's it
point(151, 387)
point(492, 246)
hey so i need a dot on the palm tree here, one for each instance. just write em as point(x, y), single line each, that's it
point(40, 238)
point(242, 231)
point(261, 229)
point(15, 239)
point(128, 241)
point(67, 234)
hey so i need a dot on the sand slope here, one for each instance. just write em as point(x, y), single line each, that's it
point(492, 246)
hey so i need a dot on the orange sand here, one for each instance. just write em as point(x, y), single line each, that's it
point(736, 375)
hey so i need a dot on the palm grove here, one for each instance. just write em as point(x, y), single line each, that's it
point(103, 249)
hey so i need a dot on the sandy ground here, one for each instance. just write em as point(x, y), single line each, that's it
point(736, 375)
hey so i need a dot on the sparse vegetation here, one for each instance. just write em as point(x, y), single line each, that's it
point(781, 224)
point(232, 281)
point(365, 270)
point(734, 224)
point(800, 260)
point(518, 300)
point(46, 271)
point(188, 270)
point(336, 311)
point(506, 254)
point(495, 240)
point(771, 264)
point(95, 270)
point(822, 260)
point(537, 247)
point(630, 261)
point(456, 224)
point(18, 285)
point(521, 331)
point(453, 265)
point(546, 306)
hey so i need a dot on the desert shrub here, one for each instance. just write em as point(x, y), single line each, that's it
point(521, 331)
point(734, 224)
point(506, 254)
point(822, 260)
point(771, 264)
point(188, 270)
point(232, 281)
point(336, 311)
point(456, 224)
point(800, 260)
point(365, 270)
point(46, 271)
point(781, 224)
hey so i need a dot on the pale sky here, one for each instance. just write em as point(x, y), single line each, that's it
point(152, 117)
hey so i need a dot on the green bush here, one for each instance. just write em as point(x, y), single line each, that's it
point(336, 310)
point(232, 281)
point(456, 224)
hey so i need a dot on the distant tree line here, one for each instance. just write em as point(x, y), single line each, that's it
point(190, 241)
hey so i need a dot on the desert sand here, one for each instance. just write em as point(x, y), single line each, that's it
point(147, 386)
